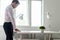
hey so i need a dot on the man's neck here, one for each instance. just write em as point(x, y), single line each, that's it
point(12, 5)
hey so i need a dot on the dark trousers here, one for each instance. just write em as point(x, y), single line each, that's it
point(8, 28)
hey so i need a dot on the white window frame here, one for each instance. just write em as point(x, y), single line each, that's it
point(29, 11)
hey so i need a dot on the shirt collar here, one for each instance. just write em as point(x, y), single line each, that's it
point(11, 7)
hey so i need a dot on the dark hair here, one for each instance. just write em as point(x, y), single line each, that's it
point(17, 2)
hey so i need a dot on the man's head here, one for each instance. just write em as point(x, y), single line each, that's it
point(15, 3)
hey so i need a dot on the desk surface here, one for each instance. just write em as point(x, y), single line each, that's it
point(29, 32)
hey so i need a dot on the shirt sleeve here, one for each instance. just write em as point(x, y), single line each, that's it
point(10, 14)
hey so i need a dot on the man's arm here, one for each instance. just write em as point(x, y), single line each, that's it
point(10, 14)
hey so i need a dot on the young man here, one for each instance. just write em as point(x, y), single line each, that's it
point(9, 24)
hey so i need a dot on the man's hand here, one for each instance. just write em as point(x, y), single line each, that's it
point(16, 29)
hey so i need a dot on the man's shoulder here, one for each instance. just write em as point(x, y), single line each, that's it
point(9, 7)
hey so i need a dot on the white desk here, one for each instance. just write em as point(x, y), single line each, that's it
point(35, 32)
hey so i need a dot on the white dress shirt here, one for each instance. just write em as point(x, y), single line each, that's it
point(9, 15)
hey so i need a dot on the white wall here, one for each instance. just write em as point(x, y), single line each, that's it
point(53, 8)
